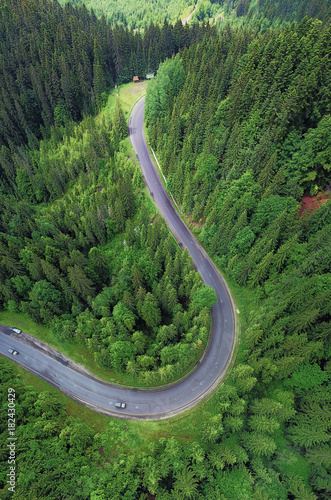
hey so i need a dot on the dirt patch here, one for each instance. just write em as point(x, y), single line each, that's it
point(198, 224)
point(193, 223)
point(312, 203)
point(154, 218)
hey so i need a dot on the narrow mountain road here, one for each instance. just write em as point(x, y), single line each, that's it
point(147, 403)
point(187, 19)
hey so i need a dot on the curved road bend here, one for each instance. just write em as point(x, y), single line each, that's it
point(148, 403)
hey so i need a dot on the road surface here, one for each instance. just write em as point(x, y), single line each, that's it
point(168, 401)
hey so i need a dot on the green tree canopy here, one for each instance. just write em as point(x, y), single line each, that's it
point(204, 297)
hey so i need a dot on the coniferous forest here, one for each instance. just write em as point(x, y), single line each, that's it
point(239, 116)
point(258, 13)
point(138, 15)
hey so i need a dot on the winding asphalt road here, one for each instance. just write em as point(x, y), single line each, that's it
point(168, 401)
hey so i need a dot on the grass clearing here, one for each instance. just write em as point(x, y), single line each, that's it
point(128, 93)
point(23, 322)
point(182, 427)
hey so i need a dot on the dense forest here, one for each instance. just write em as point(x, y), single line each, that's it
point(259, 14)
point(240, 121)
point(262, 13)
point(57, 64)
point(140, 14)
point(241, 125)
point(78, 248)
point(91, 263)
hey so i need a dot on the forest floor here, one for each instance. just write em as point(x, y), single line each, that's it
point(312, 203)
point(193, 224)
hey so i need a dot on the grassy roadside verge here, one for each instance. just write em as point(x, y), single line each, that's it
point(128, 94)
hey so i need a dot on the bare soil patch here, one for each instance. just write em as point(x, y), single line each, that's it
point(312, 203)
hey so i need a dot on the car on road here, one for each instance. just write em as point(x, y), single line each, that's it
point(16, 330)
point(120, 405)
point(12, 351)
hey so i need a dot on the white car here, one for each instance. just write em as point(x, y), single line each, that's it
point(120, 405)
point(12, 351)
point(16, 330)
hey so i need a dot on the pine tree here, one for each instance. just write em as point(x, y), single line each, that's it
point(120, 128)
point(320, 455)
point(266, 173)
point(82, 285)
point(186, 483)
point(275, 183)
point(260, 444)
point(245, 268)
point(261, 271)
point(150, 312)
